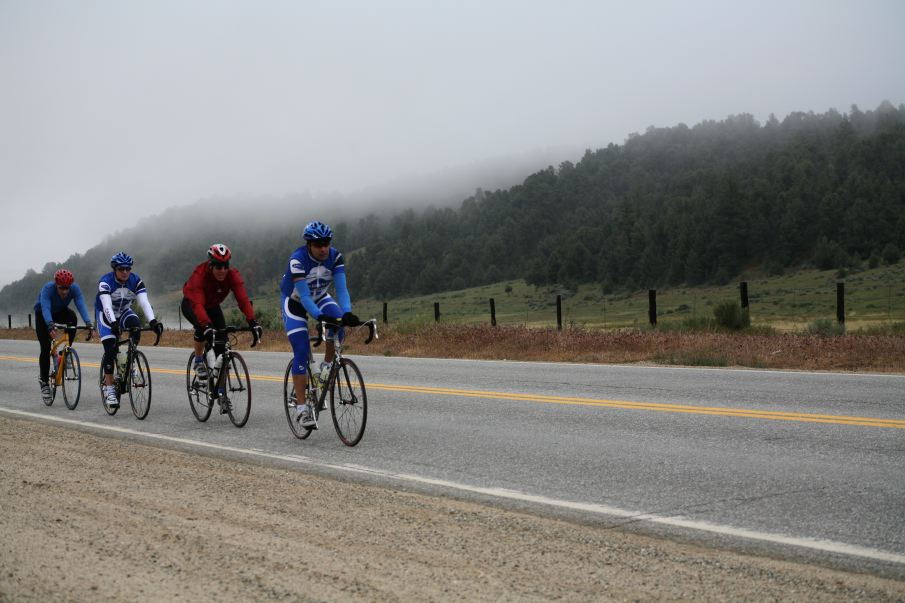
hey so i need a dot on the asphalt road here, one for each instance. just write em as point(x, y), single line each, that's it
point(803, 465)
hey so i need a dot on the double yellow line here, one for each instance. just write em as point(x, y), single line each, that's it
point(592, 402)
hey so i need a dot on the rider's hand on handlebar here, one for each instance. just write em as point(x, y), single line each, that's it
point(350, 320)
point(207, 332)
point(256, 328)
point(52, 332)
point(156, 326)
point(114, 328)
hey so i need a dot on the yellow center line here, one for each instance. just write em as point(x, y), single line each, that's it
point(592, 402)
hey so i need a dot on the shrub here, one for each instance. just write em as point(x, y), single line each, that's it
point(825, 328)
point(730, 315)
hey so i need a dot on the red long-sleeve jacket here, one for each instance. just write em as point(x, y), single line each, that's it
point(204, 291)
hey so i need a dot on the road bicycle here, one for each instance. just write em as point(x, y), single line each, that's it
point(65, 367)
point(132, 376)
point(227, 385)
point(344, 383)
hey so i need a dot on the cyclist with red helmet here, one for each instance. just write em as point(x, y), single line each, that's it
point(209, 284)
point(52, 307)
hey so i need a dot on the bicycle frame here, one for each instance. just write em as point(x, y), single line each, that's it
point(338, 343)
point(63, 341)
point(227, 348)
point(122, 378)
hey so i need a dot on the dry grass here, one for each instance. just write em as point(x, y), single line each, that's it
point(852, 352)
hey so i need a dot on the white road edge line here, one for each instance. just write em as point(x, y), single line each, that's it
point(826, 546)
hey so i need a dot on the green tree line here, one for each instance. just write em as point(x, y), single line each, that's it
point(672, 205)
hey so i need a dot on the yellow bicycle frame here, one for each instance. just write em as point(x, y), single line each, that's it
point(64, 341)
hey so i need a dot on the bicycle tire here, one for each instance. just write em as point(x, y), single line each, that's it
point(52, 384)
point(289, 389)
point(111, 410)
point(72, 379)
point(348, 403)
point(138, 377)
point(199, 400)
point(238, 383)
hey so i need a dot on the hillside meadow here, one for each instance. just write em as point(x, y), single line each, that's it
point(794, 302)
point(793, 324)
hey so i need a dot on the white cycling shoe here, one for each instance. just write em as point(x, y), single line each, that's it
point(110, 398)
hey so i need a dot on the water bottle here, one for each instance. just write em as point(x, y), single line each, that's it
point(217, 364)
point(325, 372)
point(121, 358)
point(56, 361)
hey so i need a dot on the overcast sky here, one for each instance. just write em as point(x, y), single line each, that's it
point(113, 110)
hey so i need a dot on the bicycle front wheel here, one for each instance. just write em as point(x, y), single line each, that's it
point(72, 379)
point(289, 402)
point(349, 403)
point(199, 401)
point(139, 379)
point(237, 388)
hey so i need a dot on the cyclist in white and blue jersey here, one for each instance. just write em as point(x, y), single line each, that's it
point(116, 291)
point(311, 270)
point(52, 307)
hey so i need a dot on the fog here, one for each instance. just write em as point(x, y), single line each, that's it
point(111, 111)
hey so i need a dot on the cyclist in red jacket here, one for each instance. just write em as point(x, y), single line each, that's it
point(209, 284)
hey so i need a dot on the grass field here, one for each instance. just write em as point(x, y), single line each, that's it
point(787, 303)
point(614, 328)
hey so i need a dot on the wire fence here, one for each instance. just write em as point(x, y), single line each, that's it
point(782, 305)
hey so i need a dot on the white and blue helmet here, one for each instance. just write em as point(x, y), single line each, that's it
point(121, 259)
point(317, 231)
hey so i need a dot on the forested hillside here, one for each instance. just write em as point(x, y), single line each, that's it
point(672, 205)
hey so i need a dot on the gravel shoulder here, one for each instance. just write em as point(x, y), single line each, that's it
point(85, 517)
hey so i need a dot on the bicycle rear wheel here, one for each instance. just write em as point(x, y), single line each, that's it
point(111, 410)
point(237, 389)
point(199, 401)
point(72, 379)
point(349, 403)
point(289, 406)
point(139, 380)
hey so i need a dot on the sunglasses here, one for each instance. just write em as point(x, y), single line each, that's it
point(219, 265)
point(124, 268)
point(324, 243)
point(62, 288)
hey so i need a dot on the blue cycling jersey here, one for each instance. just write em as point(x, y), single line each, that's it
point(122, 295)
point(318, 276)
point(50, 302)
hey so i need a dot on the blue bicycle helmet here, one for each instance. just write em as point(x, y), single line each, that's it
point(317, 231)
point(121, 259)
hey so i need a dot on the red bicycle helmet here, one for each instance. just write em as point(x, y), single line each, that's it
point(219, 252)
point(63, 277)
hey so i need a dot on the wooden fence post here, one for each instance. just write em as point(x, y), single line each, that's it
point(840, 303)
point(559, 312)
point(9, 317)
point(436, 311)
point(743, 291)
point(29, 320)
point(492, 313)
point(652, 307)
point(384, 313)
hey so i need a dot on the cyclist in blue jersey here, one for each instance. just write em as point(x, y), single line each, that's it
point(311, 270)
point(53, 307)
point(116, 291)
